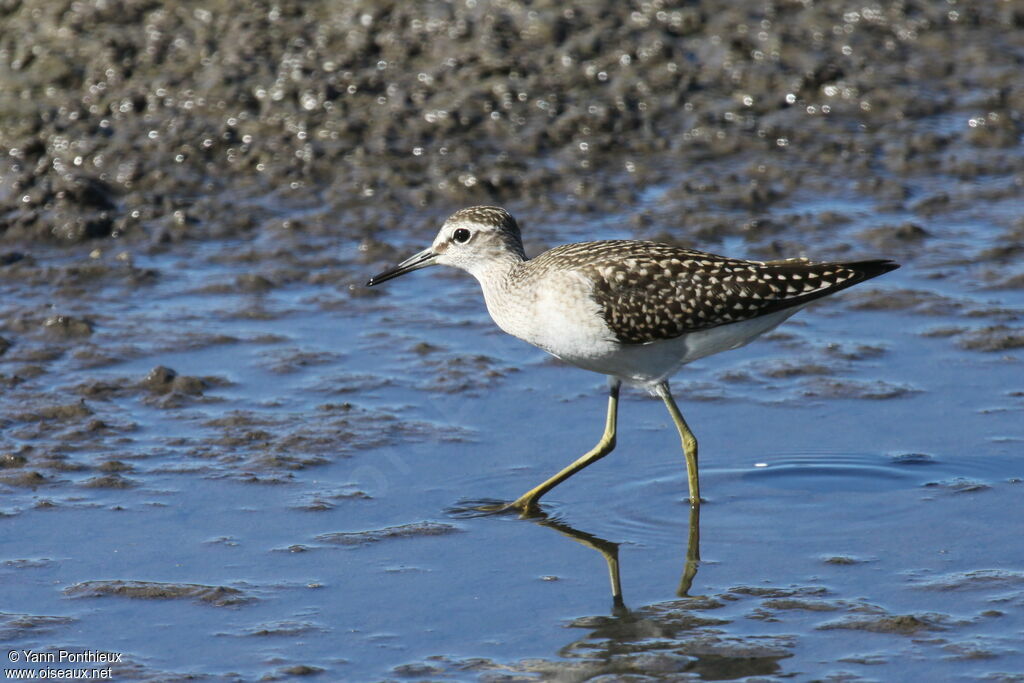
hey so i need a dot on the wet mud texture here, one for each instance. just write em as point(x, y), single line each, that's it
point(149, 590)
point(684, 640)
point(143, 120)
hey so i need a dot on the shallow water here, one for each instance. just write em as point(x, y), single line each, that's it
point(863, 478)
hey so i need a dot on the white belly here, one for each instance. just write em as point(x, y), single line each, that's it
point(649, 364)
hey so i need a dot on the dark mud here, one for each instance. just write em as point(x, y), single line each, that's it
point(159, 123)
point(375, 535)
point(20, 626)
point(219, 596)
point(191, 198)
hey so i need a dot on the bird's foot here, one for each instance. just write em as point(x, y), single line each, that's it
point(525, 505)
point(487, 507)
point(526, 509)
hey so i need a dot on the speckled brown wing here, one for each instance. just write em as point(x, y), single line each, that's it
point(650, 292)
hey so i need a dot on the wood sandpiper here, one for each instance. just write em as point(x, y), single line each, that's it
point(634, 311)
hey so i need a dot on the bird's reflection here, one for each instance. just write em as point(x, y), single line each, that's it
point(692, 554)
point(674, 633)
point(609, 550)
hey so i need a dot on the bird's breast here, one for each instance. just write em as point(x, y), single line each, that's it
point(559, 316)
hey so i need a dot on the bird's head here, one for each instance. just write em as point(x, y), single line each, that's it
point(471, 239)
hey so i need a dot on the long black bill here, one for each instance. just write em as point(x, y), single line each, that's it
point(421, 260)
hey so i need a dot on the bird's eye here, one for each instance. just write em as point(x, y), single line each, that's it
point(461, 235)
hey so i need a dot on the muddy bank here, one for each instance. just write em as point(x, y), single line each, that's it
point(139, 120)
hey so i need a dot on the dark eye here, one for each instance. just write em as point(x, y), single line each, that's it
point(461, 235)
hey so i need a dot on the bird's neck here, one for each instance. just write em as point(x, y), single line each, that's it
point(499, 279)
point(494, 272)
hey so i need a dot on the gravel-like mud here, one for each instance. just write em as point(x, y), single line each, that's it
point(155, 122)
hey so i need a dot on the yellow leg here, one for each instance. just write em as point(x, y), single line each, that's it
point(689, 442)
point(527, 503)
